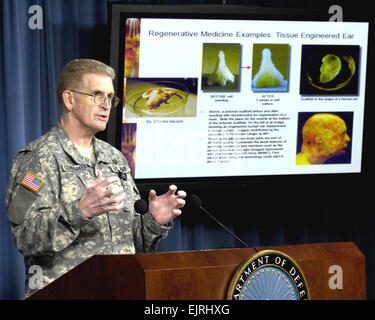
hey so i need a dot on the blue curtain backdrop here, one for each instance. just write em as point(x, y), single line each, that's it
point(263, 214)
point(31, 60)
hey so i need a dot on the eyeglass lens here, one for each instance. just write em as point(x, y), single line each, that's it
point(100, 99)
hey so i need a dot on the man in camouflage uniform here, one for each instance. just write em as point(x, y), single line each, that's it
point(71, 195)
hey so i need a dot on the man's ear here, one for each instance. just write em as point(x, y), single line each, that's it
point(68, 99)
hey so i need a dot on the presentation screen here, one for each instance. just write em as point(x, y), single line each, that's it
point(206, 97)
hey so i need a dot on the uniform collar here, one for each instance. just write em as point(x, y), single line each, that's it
point(100, 151)
point(69, 147)
point(72, 151)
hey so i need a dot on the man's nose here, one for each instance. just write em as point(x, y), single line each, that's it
point(106, 104)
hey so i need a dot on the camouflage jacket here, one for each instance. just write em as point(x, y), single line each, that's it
point(46, 182)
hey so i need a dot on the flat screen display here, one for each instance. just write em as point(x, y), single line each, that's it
point(206, 97)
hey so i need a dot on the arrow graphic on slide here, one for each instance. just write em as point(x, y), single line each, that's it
point(247, 67)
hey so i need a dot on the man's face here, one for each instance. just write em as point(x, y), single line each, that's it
point(328, 135)
point(337, 140)
point(92, 117)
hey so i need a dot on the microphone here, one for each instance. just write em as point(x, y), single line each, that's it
point(196, 201)
point(140, 206)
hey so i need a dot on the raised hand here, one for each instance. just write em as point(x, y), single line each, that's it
point(166, 207)
point(98, 199)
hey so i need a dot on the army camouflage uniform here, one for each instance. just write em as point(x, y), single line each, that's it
point(47, 225)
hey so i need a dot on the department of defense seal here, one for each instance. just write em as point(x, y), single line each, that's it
point(268, 275)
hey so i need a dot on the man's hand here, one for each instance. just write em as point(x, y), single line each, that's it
point(168, 206)
point(98, 199)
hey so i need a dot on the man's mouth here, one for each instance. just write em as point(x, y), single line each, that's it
point(103, 117)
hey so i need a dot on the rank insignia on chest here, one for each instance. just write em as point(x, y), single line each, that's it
point(32, 182)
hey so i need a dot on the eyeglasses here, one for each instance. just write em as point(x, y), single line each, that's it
point(100, 99)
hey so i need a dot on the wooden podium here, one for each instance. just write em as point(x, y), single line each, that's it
point(201, 275)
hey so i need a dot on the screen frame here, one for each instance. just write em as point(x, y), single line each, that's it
point(214, 11)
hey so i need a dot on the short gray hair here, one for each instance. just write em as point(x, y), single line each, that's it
point(73, 71)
